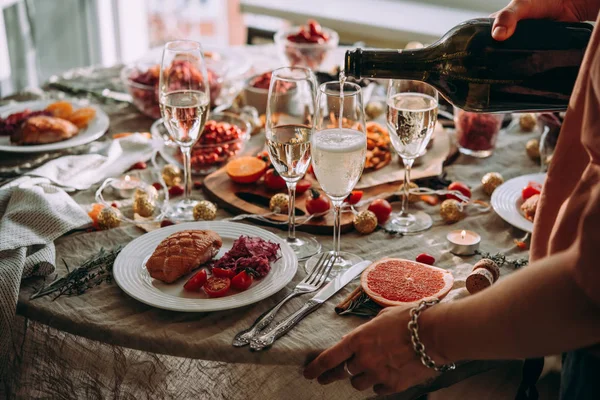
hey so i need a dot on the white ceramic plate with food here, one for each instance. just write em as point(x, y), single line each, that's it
point(132, 277)
point(507, 200)
point(95, 129)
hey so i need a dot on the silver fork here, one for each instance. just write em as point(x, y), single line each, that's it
point(311, 283)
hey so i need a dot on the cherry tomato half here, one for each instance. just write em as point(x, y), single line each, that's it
point(425, 259)
point(195, 283)
point(273, 180)
point(302, 186)
point(223, 272)
point(217, 287)
point(531, 189)
point(354, 197)
point(459, 187)
point(242, 281)
point(382, 209)
point(317, 202)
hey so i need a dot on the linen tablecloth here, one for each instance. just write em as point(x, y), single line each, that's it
point(106, 344)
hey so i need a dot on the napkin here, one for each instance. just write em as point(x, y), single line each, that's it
point(109, 159)
point(33, 213)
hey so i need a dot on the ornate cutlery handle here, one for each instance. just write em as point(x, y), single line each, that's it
point(245, 337)
point(263, 341)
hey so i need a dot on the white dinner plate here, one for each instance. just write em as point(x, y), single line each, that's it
point(132, 277)
point(96, 128)
point(507, 200)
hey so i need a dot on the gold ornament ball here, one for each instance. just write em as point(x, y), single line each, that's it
point(172, 175)
point(205, 210)
point(108, 218)
point(143, 206)
point(451, 211)
point(374, 109)
point(279, 203)
point(149, 193)
point(533, 149)
point(412, 198)
point(365, 221)
point(527, 122)
point(548, 159)
point(491, 181)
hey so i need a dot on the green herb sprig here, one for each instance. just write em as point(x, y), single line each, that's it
point(501, 259)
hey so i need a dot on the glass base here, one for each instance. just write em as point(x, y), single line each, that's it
point(475, 153)
point(183, 210)
point(343, 262)
point(304, 245)
point(409, 223)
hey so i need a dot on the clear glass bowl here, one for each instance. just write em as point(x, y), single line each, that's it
point(309, 55)
point(476, 133)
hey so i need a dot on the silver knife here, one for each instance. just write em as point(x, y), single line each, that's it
point(267, 339)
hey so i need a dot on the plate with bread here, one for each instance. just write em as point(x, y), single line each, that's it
point(49, 125)
point(205, 266)
point(516, 200)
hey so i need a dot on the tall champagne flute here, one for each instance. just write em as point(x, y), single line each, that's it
point(184, 104)
point(339, 148)
point(289, 127)
point(412, 108)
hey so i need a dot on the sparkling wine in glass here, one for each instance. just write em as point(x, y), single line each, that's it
point(184, 104)
point(412, 108)
point(339, 148)
point(289, 127)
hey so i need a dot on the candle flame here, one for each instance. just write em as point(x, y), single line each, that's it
point(463, 234)
point(128, 178)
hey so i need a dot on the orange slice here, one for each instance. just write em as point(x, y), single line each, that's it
point(246, 169)
point(60, 109)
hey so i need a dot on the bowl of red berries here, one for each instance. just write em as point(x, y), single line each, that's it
point(256, 91)
point(476, 133)
point(307, 45)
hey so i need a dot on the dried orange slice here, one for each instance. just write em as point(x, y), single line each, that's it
point(80, 118)
point(246, 169)
point(60, 109)
point(94, 212)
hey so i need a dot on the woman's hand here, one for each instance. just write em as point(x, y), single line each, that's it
point(379, 355)
point(560, 10)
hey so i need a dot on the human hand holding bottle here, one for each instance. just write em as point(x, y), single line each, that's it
point(560, 10)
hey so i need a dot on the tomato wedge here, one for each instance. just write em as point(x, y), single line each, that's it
point(302, 186)
point(242, 281)
point(354, 197)
point(223, 272)
point(195, 283)
point(531, 189)
point(217, 287)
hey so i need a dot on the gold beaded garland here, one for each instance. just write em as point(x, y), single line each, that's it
point(491, 181)
point(451, 211)
point(143, 206)
point(205, 210)
point(412, 198)
point(533, 149)
point(279, 203)
point(365, 221)
point(172, 175)
point(108, 218)
point(527, 122)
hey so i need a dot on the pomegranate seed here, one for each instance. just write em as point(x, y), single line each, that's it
point(197, 184)
point(166, 222)
point(176, 190)
point(425, 259)
point(139, 165)
point(114, 205)
point(157, 186)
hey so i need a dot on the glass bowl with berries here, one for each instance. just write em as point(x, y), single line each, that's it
point(141, 81)
point(476, 133)
point(307, 45)
point(256, 91)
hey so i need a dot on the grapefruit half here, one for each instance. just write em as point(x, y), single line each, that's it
point(397, 282)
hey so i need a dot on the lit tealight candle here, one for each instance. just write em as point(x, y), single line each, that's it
point(126, 186)
point(463, 243)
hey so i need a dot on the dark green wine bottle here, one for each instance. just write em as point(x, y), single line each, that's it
point(534, 70)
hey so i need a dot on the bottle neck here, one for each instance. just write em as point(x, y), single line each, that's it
point(388, 64)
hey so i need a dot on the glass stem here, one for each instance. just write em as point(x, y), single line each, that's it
point(291, 211)
point(187, 171)
point(406, 187)
point(337, 218)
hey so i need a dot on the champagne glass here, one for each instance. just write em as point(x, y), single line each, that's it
point(184, 104)
point(412, 108)
point(289, 127)
point(339, 148)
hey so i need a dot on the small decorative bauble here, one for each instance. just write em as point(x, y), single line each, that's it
point(451, 211)
point(548, 159)
point(365, 221)
point(412, 198)
point(527, 122)
point(374, 109)
point(491, 181)
point(533, 149)
point(143, 206)
point(108, 218)
point(172, 175)
point(279, 203)
point(490, 265)
point(149, 192)
point(205, 210)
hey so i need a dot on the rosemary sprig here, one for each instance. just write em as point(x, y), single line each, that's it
point(501, 259)
point(91, 273)
point(361, 305)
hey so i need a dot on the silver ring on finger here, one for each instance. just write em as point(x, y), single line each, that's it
point(347, 369)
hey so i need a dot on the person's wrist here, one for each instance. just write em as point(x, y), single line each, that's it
point(430, 333)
